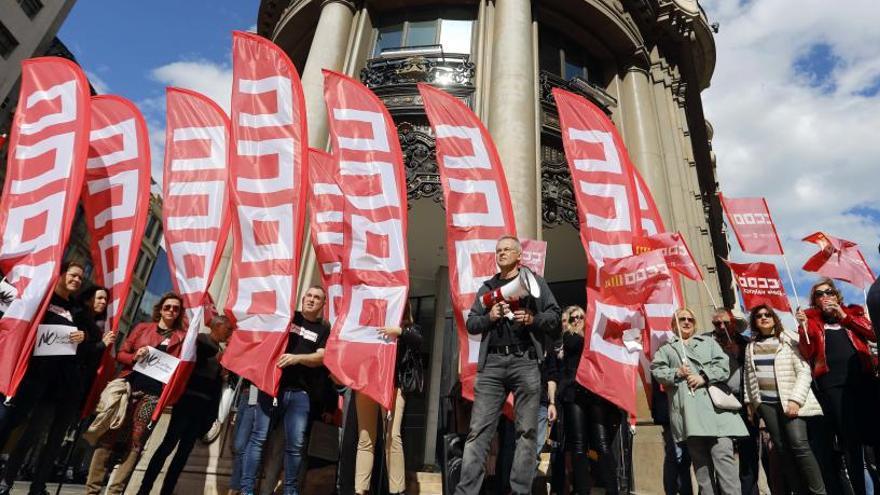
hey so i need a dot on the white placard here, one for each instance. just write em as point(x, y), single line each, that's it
point(158, 365)
point(54, 340)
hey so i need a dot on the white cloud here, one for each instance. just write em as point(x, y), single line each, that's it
point(211, 79)
point(804, 139)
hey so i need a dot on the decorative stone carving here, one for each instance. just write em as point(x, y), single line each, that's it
point(420, 161)
point(558, 204)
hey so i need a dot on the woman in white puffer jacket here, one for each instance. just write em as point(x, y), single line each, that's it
point(777, 382)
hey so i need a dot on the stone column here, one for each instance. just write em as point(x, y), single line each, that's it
point(642, 136)
point(512, 109)
point(327, 51)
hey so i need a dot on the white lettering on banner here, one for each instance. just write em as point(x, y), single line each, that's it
point(649, 226)
point(598, 343)
point(480, 158)
point(600, 252)
point(331, 268)
point(474, 342)
point(468, 283)
point(214, 190)
point(332, 238)
point(128, 182)
point(192, 283)
point(129, 150)
point(54, 340)
point(759, 283)
point(321, 188)
point(51, 206)
point(638, 276)
point(61, 145)
point(66, 91)
point(253, 251)
point(393, 298)
point(267, 321)
point(217, 158)
point(379, 142)
point(334, 293)
point(611, 162)
point(328, 217)
point(283, 149)
point(25, 305)
point(493, 217)
point(391, 232)
point(752, 219)
point(157, 365)
point(618, 223)
point(387, 198)
point(120, 239)
point(280, 85)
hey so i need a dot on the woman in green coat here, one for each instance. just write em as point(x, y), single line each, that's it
point(692, 416)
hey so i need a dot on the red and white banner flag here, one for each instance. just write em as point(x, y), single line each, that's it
point(609, 365)
point(534, 255)
point(674, 249)
point(752, 225)
point(839, 259)
point(195, 212)
point(268, 177)
point(116, 201)
point(478, 211)
point(44, 175)
point(375, 271)
point(326, 205)
point(759, 283)
point(634, 280)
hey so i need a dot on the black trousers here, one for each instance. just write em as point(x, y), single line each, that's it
point(591, 423)
point(188, 423)
point(789, 435)
point(844, 408)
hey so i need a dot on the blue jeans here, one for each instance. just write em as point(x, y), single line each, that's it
point(244, 425)
point(542, 427)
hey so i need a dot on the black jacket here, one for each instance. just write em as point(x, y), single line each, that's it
point(546, 318)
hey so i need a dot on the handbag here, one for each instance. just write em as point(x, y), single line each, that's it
point(722, 398)
point(411, 373)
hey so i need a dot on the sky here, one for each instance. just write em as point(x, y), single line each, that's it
point(794, 100)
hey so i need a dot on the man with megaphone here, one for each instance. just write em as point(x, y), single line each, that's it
point(513, 312)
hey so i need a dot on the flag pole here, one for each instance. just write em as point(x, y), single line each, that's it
point(794, 290)
point(681, 341)
point(709, 293)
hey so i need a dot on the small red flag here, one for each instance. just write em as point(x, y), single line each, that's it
point(839, 259)
point(634, 279)
point(751, 222)
point(675, 251)
point(759, 283)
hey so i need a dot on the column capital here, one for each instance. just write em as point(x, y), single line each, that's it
point(351, 4)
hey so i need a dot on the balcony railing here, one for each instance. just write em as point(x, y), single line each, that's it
point(548, 80)
point(406, 66)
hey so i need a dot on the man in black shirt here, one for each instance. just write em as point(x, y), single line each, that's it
point(196, 410)
point(299, 363)
point(51, 381)
point(509, 354)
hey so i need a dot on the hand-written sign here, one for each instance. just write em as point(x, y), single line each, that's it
point(157, 364)
point(54, 340)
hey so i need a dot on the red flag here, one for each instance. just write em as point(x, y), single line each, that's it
point(195, 213)
point(268, 177)
point(44, 175)
point(675, 251)
point(751, 222)
point(115, 200)
point(478, 211)
point(839, 259)
point(326, 206)
point(759, 283)
point(633, 280)
point(609, 364)
point(375, 274)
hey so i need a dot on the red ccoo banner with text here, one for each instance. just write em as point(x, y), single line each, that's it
point(44, 174)
point(752, 225)
point(478, 211)
point(268, 176)
point(375, 271)
point(759, 283)
point(326, 206)
point(839, 259)
point(116, 201)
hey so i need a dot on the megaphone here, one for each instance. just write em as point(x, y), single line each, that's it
point(523, 285)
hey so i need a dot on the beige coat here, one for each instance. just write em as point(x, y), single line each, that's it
point(793, 378)
point(110, 411)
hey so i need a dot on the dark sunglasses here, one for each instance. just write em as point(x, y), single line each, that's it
point(171, 307)
point(763, 315)
point(572, 319)
point(825, 292)
point(685, 319)
point(720, 324)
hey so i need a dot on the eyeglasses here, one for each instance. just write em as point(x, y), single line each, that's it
point(720, 323)
point(686, 319)
point(825, 292)
point(763, 315)
point(575, 318)
point(171, 307)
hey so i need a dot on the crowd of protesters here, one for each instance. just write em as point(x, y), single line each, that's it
point(801, 403)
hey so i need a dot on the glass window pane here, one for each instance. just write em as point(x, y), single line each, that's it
point(421, 33)
point(388, 37)
point(573, 69)
point(455, 36)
